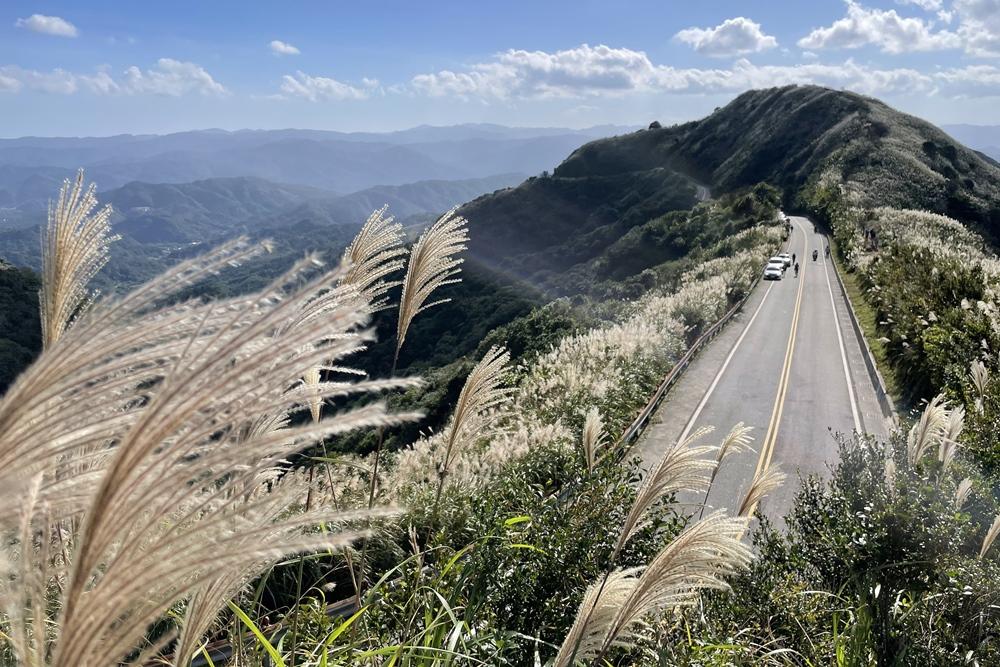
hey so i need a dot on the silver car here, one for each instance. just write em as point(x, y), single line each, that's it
point(774, 271)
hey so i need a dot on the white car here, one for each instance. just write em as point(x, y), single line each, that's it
point(786, 258)
point(774, 270)
point(780, 261)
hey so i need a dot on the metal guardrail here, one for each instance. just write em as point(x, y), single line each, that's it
point(638, 425)
point(881, 393)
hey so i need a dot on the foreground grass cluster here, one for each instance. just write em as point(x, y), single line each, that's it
point(150, 489)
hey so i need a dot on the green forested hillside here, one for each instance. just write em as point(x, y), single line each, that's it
point(550, 224)
point(20, 330)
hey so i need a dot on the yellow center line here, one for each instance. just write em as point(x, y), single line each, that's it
point(767, 449)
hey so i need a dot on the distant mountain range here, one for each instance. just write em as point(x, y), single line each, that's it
point(159, 218)
point(983, 138)
point(31, 168)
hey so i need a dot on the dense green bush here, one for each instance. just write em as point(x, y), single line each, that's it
point(875, 568)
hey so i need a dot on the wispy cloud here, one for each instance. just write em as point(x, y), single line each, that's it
point(168, 77)
point(315, 88)
point(733, 37)
point(48, 25)
point(280, 48)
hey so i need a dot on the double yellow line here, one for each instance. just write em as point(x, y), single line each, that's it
point(767, 449)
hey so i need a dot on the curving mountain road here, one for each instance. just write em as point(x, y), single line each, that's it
point(790, 366)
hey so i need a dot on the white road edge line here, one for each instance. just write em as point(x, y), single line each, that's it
point(725, 365)
point(843, 352)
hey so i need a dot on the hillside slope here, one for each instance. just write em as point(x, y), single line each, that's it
point(549, 224)
point(798, 135)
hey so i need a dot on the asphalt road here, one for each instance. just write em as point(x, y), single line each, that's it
point(790, 366)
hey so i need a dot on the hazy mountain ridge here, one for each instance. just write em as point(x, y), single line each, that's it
point(31, 167)
point(983, 138)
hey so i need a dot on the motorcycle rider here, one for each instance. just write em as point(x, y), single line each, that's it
point(815, 254)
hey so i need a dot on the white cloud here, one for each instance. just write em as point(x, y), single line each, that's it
point(280, 48)
point(171, 77)
point(979, 26)
point(58, 81)
point(315, 88)
point(603, 71)
point(8, 84)
point(584, 70)
point(48, 25)
point(168, 77)
point(926, 5)
point(733, 37)
point(885, 29)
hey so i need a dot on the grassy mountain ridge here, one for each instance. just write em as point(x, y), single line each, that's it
point(796, 134)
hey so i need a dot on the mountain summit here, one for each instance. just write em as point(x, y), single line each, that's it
point(800, 139)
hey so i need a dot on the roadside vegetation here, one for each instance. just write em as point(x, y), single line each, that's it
point(152, 504)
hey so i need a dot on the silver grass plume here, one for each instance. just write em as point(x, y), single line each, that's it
point(962, 493)
point(75, 245)
point(682, 468)
point(482, 392)
point(980, 375)
point(698, 559)
point(597, 613)
point(433, 264)
point(137, 442)
point(764, 483)
point(991, 536)
point(948, 444)
point(928, 430)
point(736, 441)
point(376, 252)
point(889, 474)
point(593, 438)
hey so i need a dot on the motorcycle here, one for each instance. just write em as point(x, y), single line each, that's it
point(815, 254)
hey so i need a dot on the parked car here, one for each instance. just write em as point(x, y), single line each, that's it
point(787, 259)
point(774, 271)
point(780, 261)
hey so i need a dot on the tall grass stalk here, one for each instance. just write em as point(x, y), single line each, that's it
point(75, 244)
point(699, 558)
point(481, 394)
point(143, 455)
point(433, 263)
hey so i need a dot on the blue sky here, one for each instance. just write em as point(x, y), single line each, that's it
point(97, 68)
